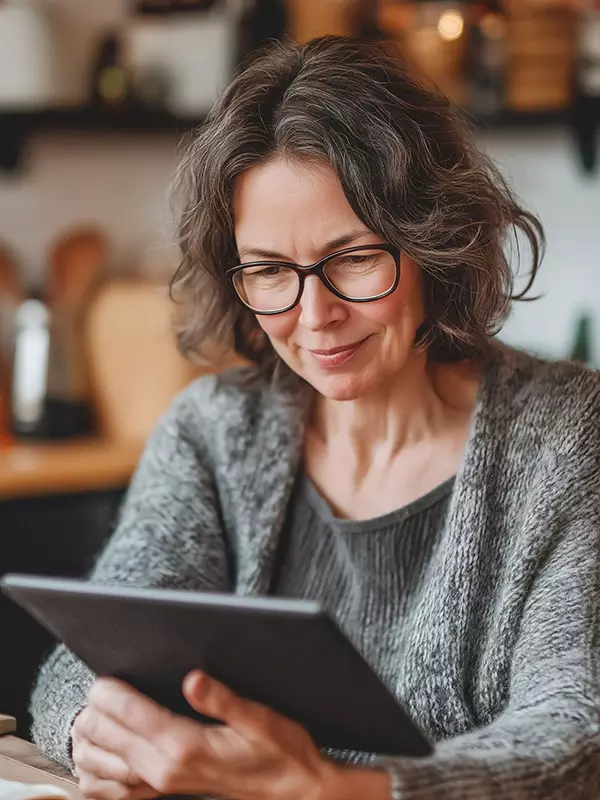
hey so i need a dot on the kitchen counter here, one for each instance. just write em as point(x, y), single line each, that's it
point(33, 470)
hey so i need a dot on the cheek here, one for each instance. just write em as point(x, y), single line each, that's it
point(401, 310)
point(279, 327)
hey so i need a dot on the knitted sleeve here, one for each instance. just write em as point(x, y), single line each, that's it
point(169, 535)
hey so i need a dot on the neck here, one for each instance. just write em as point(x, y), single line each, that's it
point(420, 403)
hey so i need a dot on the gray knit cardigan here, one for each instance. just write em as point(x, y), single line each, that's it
point(501, 667)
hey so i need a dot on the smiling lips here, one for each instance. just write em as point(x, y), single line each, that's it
point(335, 356)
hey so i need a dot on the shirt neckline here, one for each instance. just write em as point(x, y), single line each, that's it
point(321, 507)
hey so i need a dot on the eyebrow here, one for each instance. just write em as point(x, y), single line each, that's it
point(333, 244)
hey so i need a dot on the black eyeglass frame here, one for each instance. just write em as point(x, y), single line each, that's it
point(318, 270)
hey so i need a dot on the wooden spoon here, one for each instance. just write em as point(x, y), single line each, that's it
point(76, 263)
point(77, 260)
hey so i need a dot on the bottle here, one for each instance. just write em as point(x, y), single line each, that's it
point(581, 349)
point(585, 114)
point(486, 60)
point(110, 81)
point(38, 411)
point(183, 56)
point(30, 367)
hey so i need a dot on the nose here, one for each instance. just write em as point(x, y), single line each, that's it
point(318, 306)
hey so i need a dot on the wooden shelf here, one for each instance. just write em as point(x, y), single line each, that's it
point(58, 468)
point(133, 120)
point(17, 125)
point(139, 120)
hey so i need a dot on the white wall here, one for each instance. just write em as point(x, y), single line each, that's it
point(546, 175)
point(120, 183)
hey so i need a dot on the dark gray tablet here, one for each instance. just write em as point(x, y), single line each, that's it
point(286, 654)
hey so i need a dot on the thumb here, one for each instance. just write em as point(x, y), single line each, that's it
point(212, 698)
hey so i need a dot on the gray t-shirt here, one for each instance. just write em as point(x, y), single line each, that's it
point(362, 572)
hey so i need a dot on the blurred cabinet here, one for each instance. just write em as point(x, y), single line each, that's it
point(46, 535)
point(58, 506)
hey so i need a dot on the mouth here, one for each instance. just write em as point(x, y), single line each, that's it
point(336, 356)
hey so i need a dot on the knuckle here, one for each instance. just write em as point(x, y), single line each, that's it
point(101, 689)
point(166, 777)
point(264, 720)
point(96, 691)
point(90, 727)
point(180, 751)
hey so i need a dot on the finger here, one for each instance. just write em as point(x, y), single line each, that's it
point(97, 789)
point(130, 708)
point(110, 736)
point(91, 759)
point(212, 698)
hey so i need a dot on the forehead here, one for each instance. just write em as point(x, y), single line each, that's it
point(284, 204)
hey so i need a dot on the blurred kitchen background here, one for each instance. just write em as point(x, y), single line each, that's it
point(95, 96)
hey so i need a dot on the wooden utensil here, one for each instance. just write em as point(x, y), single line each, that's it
point(77, 260)
point(76, 263)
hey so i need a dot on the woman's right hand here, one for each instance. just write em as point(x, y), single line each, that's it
point(103, 775)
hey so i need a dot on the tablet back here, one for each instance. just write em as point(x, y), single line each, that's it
point(286, 654)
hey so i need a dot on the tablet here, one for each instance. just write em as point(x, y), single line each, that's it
point(287, 654)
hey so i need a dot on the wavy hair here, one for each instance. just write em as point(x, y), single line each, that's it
point(409, 168)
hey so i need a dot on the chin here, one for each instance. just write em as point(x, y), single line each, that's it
point(340, 387)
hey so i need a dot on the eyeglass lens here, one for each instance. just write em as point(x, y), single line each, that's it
point(360, 275)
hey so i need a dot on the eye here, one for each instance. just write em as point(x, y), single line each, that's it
point(271, 271)
point(359, 259)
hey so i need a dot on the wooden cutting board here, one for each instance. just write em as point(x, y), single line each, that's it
point(134, 364)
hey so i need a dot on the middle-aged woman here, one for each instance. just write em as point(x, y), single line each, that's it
point(437, 493)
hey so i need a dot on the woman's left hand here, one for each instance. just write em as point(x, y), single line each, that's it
point(256, 755)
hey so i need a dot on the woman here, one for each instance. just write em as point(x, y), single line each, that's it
point(436, 492)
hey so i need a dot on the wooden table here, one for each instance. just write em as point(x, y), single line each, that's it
point(28, 470)
point(21, 761)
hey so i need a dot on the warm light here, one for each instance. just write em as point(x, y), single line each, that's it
point(451, 25)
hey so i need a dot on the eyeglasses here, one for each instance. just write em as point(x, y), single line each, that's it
point(358, 274)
